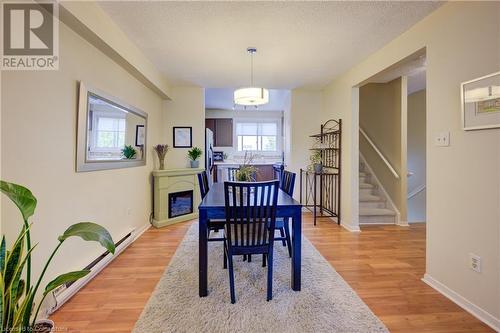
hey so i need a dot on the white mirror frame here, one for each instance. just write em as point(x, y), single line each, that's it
point(82, 164)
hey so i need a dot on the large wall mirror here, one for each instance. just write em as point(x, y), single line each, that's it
point(111, 133)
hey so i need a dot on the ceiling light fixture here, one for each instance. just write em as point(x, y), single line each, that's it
point(251, 95)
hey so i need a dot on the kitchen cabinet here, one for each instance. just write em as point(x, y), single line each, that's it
point(265, 172)
point(222, 129)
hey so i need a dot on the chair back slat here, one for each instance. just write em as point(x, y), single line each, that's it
point(287, 182)
point(231, 174)
point(203, 183)
point(250, 212)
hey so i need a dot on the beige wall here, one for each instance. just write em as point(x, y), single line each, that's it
point(380, 117)
point(462, 42)
point(187, 108)
point(416, 155)
point(303, 119)
point(38, 133)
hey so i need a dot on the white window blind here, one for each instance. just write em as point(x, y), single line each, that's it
point(258, 136)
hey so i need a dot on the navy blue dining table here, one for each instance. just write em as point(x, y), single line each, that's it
point(212, 207)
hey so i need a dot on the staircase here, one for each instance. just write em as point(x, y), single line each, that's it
point(373, 207)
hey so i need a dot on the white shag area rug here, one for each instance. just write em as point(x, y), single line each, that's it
point(326, 303)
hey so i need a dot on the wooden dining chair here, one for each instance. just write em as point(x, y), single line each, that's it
point(250, 219)
point(213, 225)
point(287, 184)
point(231, 174)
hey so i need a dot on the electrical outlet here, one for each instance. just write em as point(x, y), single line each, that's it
point(442, 139)
point(129, 211)
point(475, 262)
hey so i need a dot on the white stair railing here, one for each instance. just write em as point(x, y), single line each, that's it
point(379, 153)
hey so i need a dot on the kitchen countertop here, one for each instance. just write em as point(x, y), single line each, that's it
point(227, 163)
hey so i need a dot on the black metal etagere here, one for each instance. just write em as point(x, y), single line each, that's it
point(322, 189)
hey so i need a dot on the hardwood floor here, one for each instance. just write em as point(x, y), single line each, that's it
point(383, 264)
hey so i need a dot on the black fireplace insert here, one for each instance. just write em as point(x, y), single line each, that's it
point(180, 203)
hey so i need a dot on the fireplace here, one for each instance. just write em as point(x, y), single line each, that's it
point(176, 196)
point(180, 203)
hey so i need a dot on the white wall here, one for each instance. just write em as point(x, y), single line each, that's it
point(38, 133)
point(187, 108)
point(463, 181)
point(250, 115)
point(303, 119)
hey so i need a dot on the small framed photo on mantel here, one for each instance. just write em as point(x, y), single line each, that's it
point(480, 100)
point(183, 137)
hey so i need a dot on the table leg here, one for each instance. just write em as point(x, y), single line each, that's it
point(203, 256)
point(297, 248)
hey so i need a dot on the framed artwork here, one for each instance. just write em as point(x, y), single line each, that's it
point(480, 100)
point(140, 135)
point(183, 137)
point(218, 156)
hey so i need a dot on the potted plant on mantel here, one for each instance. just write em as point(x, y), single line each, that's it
point(193, 154)
point(17, 294)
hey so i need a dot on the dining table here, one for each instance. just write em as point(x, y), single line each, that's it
point(212, 207)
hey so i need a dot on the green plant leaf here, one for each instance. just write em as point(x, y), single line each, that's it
point(90, 232)
point(2, 255)
point(21, 196)
point(11, 266)
point(65, 278)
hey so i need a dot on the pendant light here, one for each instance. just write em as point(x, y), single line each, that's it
point(251, 95)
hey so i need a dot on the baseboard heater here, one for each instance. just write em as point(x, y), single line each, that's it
point(62, 294)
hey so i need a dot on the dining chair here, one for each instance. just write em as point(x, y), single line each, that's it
point(213, 225)
point(231, 174)
point(250, 219)
point(287, 183)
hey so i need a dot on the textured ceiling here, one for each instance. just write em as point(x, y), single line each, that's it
point(300, 44)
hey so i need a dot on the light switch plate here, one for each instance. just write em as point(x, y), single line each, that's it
point(442, 139)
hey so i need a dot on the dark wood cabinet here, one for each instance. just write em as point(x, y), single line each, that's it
point(210, 124)
point(265, 172)
point(223, 131)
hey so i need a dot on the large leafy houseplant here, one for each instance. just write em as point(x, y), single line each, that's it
point(17, 294)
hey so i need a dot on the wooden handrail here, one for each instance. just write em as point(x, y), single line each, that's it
point(379, 153)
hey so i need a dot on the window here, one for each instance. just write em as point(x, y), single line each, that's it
point(110, 133)
point(106, 135)
point(257, 136)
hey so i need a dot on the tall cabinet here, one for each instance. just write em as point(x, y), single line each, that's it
point(222, 129)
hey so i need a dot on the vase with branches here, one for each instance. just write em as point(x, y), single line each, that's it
point(161, 151)
point(247, 171)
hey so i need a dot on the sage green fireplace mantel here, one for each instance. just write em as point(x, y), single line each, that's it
point(170, 181)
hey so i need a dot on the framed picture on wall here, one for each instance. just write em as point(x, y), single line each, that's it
point(481, 102)
point(140, 135)
point(183, 137)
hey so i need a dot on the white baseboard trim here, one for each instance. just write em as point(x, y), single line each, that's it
point(351, 228)
point(403, 223)
point(50, 306)
point(461, 301)
point(141, 230)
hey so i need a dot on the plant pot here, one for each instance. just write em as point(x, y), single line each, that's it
point(195, 164)
point(43, 326)
point(318, 168)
